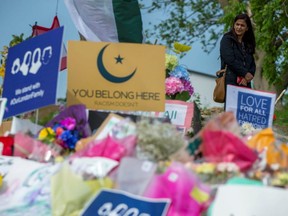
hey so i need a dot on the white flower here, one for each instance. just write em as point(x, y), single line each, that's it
point(248, 128)
point(227, 167)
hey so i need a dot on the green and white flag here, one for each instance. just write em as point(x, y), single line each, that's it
point(107, 20)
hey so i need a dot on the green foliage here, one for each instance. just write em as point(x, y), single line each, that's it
point(16, 39)
point(234, 7)
point(281, 122)
point(285, 100)
point(271, 18)
point(183, 96)
point(196, 98)
point(189, 20)
point(45, 119)
point(186, 21)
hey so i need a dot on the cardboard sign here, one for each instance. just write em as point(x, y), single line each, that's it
point(5, 128)
point(248, 105)
point(180, 113)
point(31, 76)
point(240, 200)
point(115, 202)
point(116, 76)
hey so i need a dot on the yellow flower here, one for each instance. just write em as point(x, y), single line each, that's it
point(2, 70)
point(179, 48)
point(1, 180)
point(4, 51)
point(206, 168)
point(283, 177)
point(59, 159)
point(46, 134)
point(171, 61)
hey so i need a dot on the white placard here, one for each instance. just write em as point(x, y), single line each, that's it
point(251, 106)
point(3, 102)
point(96, 166)
point(24, 126)
point(246, 200)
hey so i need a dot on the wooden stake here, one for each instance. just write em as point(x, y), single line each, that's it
point(282, 93)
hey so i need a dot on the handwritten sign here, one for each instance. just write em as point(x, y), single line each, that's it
point(115, 202)
point(248, 105)
point(31, 75)
point(180, 113)
point(240, 200)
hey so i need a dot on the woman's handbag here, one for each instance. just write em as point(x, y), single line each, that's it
point(219, 90)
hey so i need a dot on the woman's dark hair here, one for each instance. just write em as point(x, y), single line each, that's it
point(248, 38)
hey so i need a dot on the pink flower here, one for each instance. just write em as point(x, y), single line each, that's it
point(69, 123)
point(173, 85)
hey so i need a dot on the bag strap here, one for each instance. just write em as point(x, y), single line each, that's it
point(218, 73)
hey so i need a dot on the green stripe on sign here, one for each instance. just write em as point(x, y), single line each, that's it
point(128, 20)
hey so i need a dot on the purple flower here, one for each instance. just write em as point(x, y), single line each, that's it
point(187, 86)
point(69, 123)
point(78, 112)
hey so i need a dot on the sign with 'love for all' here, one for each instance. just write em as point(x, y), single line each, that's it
point(31, 73)
point(251, 106)
point(116, 76)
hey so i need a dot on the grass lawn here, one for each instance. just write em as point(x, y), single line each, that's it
point(281, 121)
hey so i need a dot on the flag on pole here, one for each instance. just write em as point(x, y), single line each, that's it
point(107, 20)
point(38, 30)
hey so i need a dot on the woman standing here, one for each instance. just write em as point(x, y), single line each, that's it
point(236, 51)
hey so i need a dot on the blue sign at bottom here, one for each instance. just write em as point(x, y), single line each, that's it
point(120, 203)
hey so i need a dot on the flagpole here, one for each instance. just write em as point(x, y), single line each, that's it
point(37, 116)
point(57, 7)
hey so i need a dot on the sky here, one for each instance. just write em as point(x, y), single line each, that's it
point(17, 16)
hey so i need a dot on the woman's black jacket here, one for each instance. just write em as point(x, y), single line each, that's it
point(239, 60)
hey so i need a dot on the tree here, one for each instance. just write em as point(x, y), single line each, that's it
point(191, 20)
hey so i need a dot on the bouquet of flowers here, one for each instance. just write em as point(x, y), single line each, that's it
point(216, 173)
point(63, 133)
point(178, 84)
point(157, 141)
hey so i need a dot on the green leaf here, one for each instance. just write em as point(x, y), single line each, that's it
point(183, 96)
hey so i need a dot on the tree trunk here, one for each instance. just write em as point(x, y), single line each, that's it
point(260, 83)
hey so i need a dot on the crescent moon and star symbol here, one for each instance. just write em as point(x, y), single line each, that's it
point(106, 74)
